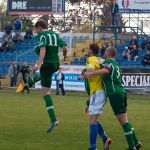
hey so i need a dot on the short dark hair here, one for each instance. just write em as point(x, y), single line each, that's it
point(112, 51)
point(94, 48)
point(41, 23)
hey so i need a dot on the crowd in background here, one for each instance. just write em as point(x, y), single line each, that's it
point(13, 35)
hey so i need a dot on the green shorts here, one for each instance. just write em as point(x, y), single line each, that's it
point(46, 73)
point(118, 103)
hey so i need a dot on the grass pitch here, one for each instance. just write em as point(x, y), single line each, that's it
point(24, 120)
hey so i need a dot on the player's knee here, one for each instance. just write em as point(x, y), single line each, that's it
point(46, 91)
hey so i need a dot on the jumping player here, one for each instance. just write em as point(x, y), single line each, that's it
point(48, 63)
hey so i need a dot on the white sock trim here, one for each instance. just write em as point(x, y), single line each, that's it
point(50, 107)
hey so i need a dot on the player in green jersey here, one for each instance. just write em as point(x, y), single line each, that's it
point(48, 63)
point(87, 88)
point(117, 95)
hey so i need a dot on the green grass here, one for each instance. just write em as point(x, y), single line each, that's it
point(24, 120)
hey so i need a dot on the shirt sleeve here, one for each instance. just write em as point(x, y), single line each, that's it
point(42, 42)
point(106, 65)
point(62, 42)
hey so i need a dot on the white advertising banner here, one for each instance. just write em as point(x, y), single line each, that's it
point(71, 81)
point(134, 5)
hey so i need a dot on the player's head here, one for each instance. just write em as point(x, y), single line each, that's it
point(93, 49)
point(40, 25)
point(110, 52)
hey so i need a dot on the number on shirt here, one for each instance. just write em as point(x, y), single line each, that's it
point(50, 40)
point(118, 72)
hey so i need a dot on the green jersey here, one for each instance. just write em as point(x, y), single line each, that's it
point(52, 42)
point(112, 81)
point(86, 82)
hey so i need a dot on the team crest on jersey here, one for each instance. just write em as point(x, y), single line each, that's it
point(125, 3)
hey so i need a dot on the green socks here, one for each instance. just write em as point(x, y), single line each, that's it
point(129, 135)
point(50, 107)
point(33, 80)
point(36, 78)
point(133, 134)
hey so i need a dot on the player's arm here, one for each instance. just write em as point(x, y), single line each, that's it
point(41, 42)
point(101, 72)
point(65, 49)
point(63, 45)
point(41, 57)
point(42, 46)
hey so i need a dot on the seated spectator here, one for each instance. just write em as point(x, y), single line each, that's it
point(146, 60)
point(112, 44)
point(133, 42)
point(17, 38)
point(17, 26)
point(125, 53)
point(133, 54)
point(144, 43)
point(7, 45)
point(130, 47)
point(8, 29)
point(4, 44)
point(10, 45)
point(29, 33)
point(105, 45)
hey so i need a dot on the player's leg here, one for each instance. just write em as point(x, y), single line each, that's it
point(100, 103)
point(93, 131)
point(97, 102)
point(118, 103)
point(87, 88)
point(46, 79)
point(34, 79)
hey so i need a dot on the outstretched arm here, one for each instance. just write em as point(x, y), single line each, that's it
point(97, 72)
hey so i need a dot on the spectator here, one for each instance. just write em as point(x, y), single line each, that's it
point(134, 42)
point(17, 38)
point(105, 45)
point(146, 60)
point(3, 46)
point(112, 44)
point(13, 73)
point(114, 12)
point(10, 45)
point(8, 29)
point(125, 53)
point(59, 77)
point(29, 33)
point(144, 43)
point(133, 54)
point(7, 45)
point(17, 26)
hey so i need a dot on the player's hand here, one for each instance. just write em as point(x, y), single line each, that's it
point(38, 67)
point(87, 74)
point(80, 77)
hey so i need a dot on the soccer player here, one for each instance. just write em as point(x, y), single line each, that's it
point(117, 95)
point(48, 63)
point(97, 99)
